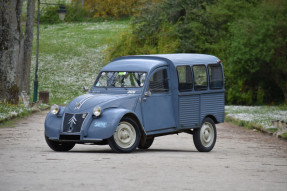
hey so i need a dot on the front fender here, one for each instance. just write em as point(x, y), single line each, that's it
point(53, 125)
point(104, 126)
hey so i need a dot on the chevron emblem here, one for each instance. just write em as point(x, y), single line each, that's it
point(73, 120)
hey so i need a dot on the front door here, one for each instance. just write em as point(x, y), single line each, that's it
point(157, 106)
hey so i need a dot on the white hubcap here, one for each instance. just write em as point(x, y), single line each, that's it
point(125, 135)
point(207, 134)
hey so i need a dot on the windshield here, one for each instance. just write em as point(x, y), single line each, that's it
point(121, 79)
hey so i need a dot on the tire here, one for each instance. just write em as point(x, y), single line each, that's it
point(204, 138)
point(59, 146)
point(147, 144)
point(126, 137)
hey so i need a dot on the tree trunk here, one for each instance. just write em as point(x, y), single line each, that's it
point(285, 93)
point(11, 43)
point(28, 46)
point(12, 51)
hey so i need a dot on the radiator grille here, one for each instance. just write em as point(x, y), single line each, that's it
point(73, 122)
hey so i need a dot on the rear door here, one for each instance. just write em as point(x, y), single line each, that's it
point(157, 107)
point(189, 100)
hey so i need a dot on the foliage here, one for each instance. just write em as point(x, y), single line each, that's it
point(153, 31)
point(284, 136)
point(8, 111)
point(257, 53)
point(256, 117)
point(261, 115)
point(129, 44)
point(248, 35)
point(49, 14)
point(114, 8)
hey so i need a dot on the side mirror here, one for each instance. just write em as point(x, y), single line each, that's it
point(148, 93)
point(85, 89)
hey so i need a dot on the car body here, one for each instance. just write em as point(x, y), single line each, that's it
point(137, 98)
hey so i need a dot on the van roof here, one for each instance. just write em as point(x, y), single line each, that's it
point(139, 62)
point(190, 59)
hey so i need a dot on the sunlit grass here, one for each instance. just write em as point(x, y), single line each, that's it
point(71, 55)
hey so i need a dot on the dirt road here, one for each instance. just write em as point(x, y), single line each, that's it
point(241, 160)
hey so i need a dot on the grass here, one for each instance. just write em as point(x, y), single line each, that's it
point(256, 117)
point(7, 124)
point(8, 111)
point(283, 136)
point(71, 55)
point(261, 115)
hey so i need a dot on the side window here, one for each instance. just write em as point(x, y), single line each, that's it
point(200, 77)
point(159, 82)
point(184, 78)
point(215, 76)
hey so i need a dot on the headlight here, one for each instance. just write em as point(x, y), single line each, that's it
point(55, 109)
point(97, 111)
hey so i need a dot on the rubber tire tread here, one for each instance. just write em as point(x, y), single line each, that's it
point(114, 146)
point(147, 144)
point(58, 146)
point(196, 137)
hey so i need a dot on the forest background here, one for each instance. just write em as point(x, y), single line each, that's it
point(250, 36)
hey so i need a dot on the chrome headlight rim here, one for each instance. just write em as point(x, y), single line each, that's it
point(97, 111)
point(55, 109)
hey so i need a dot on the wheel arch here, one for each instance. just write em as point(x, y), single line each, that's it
point(135, 118)
point(211, 117)
point(117, 144)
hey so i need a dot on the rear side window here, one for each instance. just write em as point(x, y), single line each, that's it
point(184, 78)
point(159, 82)
point(200, 77)
point(215, 76)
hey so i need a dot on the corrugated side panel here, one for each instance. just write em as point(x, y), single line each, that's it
point(212, 103)
point(189, 111)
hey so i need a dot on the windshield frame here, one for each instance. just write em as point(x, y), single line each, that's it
point(113, 87)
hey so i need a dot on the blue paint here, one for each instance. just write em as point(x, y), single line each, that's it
point(161, 112)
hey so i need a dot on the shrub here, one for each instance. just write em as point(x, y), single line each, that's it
point(49, 14)
point(114, 8)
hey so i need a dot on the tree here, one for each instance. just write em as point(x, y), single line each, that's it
point(113, 8)
point(15, 49)
point(258, 54)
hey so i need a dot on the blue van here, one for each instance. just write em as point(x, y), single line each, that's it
point(137, 98)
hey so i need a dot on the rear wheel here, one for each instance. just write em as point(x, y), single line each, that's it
point(59, 146)
point(204, 138)
point(146, 144)
point(126, 137)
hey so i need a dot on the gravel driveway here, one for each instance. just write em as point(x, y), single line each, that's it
point(241, 160)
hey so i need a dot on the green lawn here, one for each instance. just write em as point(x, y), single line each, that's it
point(71, 55)
point(259, 115)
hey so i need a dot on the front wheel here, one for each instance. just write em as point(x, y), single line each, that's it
point(204, 138)
point(59, 146)
point(126, 137)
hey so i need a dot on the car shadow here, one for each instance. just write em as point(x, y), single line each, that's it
point(164, 150)
point(137, 151)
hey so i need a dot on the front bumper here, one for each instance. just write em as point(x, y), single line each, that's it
point(89, 130)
